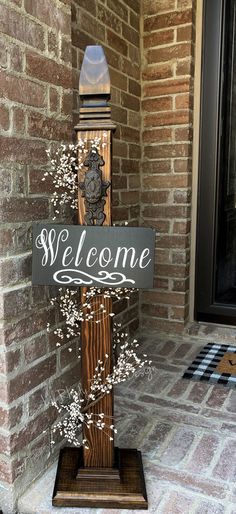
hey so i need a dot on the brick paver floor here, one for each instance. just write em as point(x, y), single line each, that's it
point(185, 429)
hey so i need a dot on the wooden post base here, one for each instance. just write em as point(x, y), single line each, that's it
point(126, 489)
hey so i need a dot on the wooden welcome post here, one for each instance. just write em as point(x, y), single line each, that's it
point(101, 476)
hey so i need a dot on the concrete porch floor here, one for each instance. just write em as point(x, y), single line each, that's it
point(185, 429)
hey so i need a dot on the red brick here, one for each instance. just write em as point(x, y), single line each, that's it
point(155, 310)
point(15, 302)
point(180, 285)
point(157, 135)
point(23, 151)
point(134, 20)
point(225, 468)
point(193, 483)
point(182, 166)
point(165, 181)
point(39, 401)
point(134, 4)
point(154, 6)
point(54, 100)
point(3, 54)
point(130, 197)
point(168, 53)
point(6, 471)
point(158, 104)
point(135, 152)
point(119, 8)
point(66, 379)
point(80, 39)
point(162, 255)
point(217, 397)
point(48, 70)
point(53, 44)
point(31, 378)
point(118, 79)
point(170, 150)
point(34, 428)
point(203, 454)
point(6, 240)
point(109, 19)
point(167, 118)
point(130, 34)
point(154, 197)
point(48, 128)
point(158, 166)
point(134, 182)
point(169, 211)
point(11, 417)
point(130, 134)
point(185, 67)
point(161, 283)
point(164, 298)
point(157, 72)
point(178, 389)
point(183, 196)
point(167, 20)
point(68, 355)
point(130, 68)
point(130, 101)
point(9, 361)
point(185, 33)
point(158, 38)
point(134, 87)
point(22, 90)
point(91, 25)
point(16, 58)
point(167, 87)
point(172, 241)
point(35, 348)
point(6, 182)
point(181, 227)
point(184, 134)
point(15, 269)
point(21, 27)
point(183, 101)
point(198, 392)
point(49, 14)
point(19, 120)
point(20, 209)
point(4, 117)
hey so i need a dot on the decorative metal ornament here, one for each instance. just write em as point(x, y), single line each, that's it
point(94, 189)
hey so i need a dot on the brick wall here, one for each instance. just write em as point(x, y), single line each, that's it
point(35, 93)
point(115, 24)
point(167, 107)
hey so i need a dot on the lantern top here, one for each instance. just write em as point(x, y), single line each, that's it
point(94, 75)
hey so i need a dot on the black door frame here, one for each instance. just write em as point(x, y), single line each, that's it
point(206, 309)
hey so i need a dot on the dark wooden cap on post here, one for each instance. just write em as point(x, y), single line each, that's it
point(94, 91)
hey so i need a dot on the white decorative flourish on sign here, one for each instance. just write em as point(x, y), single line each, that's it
point(104, 277)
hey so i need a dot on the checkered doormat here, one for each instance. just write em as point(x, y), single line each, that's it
point(216, 363)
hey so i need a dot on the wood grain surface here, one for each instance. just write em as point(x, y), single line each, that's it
point(96, 337)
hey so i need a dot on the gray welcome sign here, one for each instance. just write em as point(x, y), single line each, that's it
point(72, 255)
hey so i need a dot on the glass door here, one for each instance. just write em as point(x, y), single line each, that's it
point(216, 241)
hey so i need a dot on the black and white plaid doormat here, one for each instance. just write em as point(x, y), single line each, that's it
point(216, 363)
